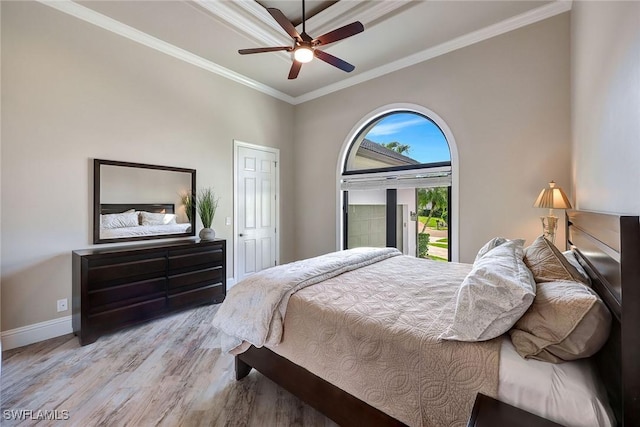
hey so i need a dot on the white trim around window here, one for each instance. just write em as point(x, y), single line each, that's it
point(357, 129)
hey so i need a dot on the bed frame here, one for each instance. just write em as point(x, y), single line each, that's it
point(608, 247)
point(111, 208)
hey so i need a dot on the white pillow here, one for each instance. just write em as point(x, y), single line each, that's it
point(148, 218)
point(119, 220)
point(571, 257)
point(493, 243)
point(493, 296)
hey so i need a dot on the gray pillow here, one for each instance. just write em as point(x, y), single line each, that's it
point(566, 321)
point(548, 264)
point(493, 296)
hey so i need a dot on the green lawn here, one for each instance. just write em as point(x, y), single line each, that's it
point(439, 245)
point(433, 223)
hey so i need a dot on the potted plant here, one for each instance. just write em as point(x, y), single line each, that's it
point(206, 205)
point(187, 200)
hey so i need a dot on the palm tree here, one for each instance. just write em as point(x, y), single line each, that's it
point(397, 147)
point(437, 197)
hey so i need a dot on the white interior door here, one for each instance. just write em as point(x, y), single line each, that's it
point(256, 216)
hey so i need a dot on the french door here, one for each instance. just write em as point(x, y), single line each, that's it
point(400, 218)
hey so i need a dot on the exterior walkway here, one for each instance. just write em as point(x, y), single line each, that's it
point(436, 235)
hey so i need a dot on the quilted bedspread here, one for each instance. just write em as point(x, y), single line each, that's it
point(254, 309)
point(373, 333)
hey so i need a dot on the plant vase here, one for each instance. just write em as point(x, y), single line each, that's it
point(207, 234)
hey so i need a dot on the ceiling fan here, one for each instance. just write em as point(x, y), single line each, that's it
point(304, 47)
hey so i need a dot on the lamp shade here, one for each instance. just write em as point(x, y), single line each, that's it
point(552, 198)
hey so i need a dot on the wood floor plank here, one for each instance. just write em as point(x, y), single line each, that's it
point(167, 372)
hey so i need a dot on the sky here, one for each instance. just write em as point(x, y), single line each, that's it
point(428, 144)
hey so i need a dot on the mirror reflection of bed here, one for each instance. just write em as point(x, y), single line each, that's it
point(136, 201)
point(124, 220)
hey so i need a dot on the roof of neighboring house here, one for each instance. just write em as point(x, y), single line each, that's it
point(373, 150)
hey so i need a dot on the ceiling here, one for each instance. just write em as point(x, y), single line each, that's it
point(398, 33)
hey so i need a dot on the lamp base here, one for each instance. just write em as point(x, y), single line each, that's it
point(549, 227)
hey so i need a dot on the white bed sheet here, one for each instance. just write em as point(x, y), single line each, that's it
point(568, 393)
point(144, 230)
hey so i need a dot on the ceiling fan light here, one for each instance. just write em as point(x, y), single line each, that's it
point(303, 54)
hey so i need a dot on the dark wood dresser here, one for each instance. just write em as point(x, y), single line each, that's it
point(119, 286)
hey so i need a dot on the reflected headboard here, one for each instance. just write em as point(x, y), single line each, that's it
point(608, 247)
point(109, 208)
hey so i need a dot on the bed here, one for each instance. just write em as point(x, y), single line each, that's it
point(140, 229)
point(607, 247)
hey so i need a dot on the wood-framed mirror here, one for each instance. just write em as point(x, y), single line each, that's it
point(137, 201)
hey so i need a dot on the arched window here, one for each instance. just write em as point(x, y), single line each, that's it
point(396, 179)
point(396, 141)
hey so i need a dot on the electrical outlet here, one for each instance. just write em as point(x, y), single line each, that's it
point(62, 305)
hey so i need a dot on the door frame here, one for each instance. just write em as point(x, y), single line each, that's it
point(236, 145)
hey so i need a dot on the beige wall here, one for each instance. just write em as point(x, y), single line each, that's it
point(605, 38)
point(72, 92)
point(507, 103)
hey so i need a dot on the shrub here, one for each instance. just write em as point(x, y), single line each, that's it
point(423, 245)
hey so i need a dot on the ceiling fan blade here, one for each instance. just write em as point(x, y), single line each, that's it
point(295, 69)
point(284, 22)
point(341, 33)
point(264, 49)
point(336, 62)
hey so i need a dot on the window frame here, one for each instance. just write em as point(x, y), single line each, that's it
point(361, 128)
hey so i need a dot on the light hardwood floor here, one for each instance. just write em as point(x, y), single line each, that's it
point(167, 372)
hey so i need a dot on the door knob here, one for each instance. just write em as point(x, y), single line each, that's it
point(240, 234)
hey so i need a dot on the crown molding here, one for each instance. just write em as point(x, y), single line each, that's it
point(345, 12)
point(494, 30)
point(249, 18)
point(258, 13)
point(110, 24)
point(252, 20)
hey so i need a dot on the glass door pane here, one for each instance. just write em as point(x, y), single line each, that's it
point(432, 233)
point(366, 218)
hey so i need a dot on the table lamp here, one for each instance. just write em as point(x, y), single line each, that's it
point(551, 198)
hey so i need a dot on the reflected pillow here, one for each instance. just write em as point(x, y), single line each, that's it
point(148, 218)
point(119, 220)
point(566, 321)
point(548, 264)
point(493, 296)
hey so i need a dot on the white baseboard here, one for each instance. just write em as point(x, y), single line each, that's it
point(37, 332)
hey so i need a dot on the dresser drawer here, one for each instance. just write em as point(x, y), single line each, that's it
point(122, 271)
point(116, 287)
point(137, 291)
point(200, 277)
point(179, 260)
point(206, 295)
point(129, 314)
